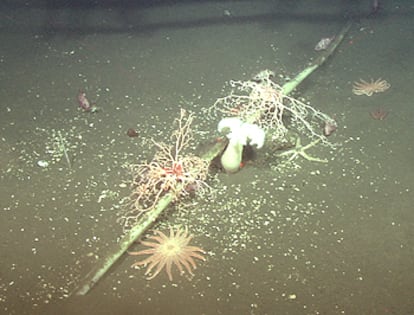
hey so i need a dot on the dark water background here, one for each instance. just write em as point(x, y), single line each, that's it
point(308, 238)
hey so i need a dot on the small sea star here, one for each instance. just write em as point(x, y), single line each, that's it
point(299, 150)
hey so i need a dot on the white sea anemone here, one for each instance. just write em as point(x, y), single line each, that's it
point(240, 134)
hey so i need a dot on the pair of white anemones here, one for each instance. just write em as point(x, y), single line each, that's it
point(239, 134)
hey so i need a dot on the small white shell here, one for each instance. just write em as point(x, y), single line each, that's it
point(42, 163)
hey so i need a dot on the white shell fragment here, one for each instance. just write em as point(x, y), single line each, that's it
point(42, 163)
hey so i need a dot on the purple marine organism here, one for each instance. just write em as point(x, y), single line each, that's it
point(375, 7)
point(84, 102)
